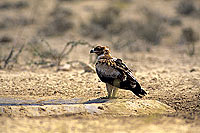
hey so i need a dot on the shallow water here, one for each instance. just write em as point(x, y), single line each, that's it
point(19, 102)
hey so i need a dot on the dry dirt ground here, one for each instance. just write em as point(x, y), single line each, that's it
point(166, 72)
point(171, 79)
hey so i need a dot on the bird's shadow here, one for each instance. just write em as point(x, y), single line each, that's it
point(97, 100)
point(19, 102)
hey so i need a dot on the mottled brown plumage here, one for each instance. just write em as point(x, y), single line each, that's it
point(115, 73)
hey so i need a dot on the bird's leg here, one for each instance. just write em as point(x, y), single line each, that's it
point(109, 89)
point(116, 82)
point(115, 89)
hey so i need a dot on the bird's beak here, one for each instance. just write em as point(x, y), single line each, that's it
point(92, 51)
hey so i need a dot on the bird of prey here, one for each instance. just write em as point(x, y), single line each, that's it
point(115, 73)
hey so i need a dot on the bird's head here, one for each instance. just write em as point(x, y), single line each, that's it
point(101, 50)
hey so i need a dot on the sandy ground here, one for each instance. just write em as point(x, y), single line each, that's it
point(167, 73)
point(82, 124)
point(175, 86)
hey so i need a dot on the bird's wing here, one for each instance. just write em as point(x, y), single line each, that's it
point(113, 68)
point(122, 67)
point(106, 69)
point(116, 73)
point(119, 64)
point(129, 82)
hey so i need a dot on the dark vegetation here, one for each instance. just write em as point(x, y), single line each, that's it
point(58, 23)
point(5, 39)
point(189, 37)
point(107, 24)
point(152, 29)
point(102, 24)
point(13, 5)
point(18, 21)
point(188, 8)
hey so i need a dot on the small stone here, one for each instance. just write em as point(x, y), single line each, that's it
point(65, 67)
point(192, 70)
point(101, 108)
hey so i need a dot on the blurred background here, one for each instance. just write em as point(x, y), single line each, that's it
point(42, 31)
point(157, 39)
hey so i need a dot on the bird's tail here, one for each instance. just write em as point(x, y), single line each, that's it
point(138, 91)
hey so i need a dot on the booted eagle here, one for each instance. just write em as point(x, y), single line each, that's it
point(115, 73)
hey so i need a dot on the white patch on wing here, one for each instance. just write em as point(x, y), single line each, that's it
point(107, 71)
point(114, 59)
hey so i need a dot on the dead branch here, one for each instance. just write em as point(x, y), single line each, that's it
point(48, 45)
point(56, 56)
point(15, 58)
point(9, 57)
point(37, 52)
point(73, 44)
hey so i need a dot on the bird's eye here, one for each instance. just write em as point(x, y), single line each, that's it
point(96, 49)
point(106, 51)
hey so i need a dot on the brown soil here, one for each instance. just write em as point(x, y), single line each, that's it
point(167, 73)
point(174, 82)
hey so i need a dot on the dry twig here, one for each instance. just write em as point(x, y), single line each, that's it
point(56, 56)
point(6, 61)
point(11, 57)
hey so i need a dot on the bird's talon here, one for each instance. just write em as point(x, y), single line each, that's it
point(104, 97)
